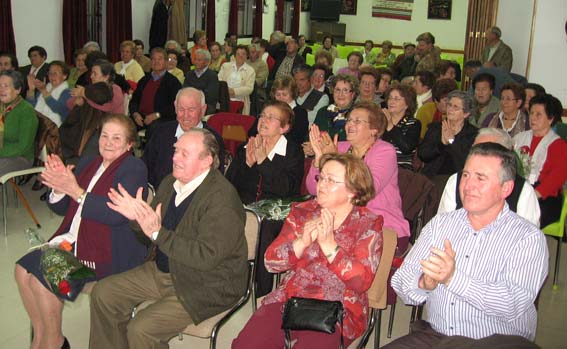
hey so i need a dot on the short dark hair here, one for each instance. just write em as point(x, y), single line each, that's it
point(384, 71)
point(517, 90)
point(127, 122)
point(106, 68)
point(357, 54)
point(408, 94)
point(13, 59)
point(507, 157)
point(329, 37)
point(539, 90)
point(38, 49)
point(358, 178)
point(369, 71)
point(426, 77)
point(442, 88)
point(427, 37)
point(94, 56)
point(241, 47)
point(323, 68)
point(159, 50)
point(284, 108)
point(64, 67)
point(551, 104)
point(16, 76)
point(473, 63)
point(484, 77)
point(376, 117)
point(302, 68)
point(139, 42)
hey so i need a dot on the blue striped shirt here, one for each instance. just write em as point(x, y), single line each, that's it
point(499, 270)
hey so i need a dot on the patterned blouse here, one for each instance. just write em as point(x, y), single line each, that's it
point(404, 137)
point(347, 278)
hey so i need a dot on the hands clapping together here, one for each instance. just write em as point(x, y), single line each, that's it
point(320, 230)
point(60, 178)
point(256, 150)
point(438, 268)
point(321, 143)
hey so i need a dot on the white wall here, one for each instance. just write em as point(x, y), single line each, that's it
point(515, 21)
point(549, 49)
point(38, 23)
point(141, 19)
point(449, 34)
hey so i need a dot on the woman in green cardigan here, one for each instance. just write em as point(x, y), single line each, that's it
point(18, 125)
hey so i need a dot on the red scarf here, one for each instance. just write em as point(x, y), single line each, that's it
point(94, 238)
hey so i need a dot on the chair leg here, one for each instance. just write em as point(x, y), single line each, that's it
point(391, 321)
point(557, 263)
point(377, 330)
point(419, 312)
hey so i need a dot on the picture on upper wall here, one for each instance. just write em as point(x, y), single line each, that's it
point(348, 7)
point(439, 9)
point(394, 9)
point(305, 5)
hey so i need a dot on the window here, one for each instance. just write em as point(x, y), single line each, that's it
point(246, 18)
point(288, 6)
point(94, 20)
point(196, 16)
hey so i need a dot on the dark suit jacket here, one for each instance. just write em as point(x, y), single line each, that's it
point(281, 177)
point(158, 153)
point(164, 98)
point(209, 84)
point(41, 74)
point(298, 60)
point(207, 250)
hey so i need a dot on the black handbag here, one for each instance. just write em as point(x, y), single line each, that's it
point(313, 315)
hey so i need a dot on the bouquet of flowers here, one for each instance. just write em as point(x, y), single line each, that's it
point(64, 273)
point(524, 160)
point(275, 209)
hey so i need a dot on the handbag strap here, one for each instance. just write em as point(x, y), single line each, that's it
point(288, 335)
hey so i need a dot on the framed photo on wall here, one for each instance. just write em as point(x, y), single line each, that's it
point(348, 7)
point(439, 9)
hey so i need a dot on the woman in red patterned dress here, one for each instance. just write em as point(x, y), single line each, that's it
point(330, 248)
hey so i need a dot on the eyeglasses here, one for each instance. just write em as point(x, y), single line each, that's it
point(342, 91)
point(368, 83)
point(356, 121)
point(269, 117)
point(318, 75)
point(326, 179)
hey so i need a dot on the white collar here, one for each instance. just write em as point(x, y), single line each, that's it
point(292, 104)
point(179, 131)
point(184, 190)
point(322, 89)
point(279, 148)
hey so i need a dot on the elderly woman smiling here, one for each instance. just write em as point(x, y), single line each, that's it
point(330, 248)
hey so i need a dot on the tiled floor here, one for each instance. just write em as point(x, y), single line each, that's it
point(14, 324)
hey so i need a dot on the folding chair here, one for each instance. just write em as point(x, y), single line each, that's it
point(233, 128)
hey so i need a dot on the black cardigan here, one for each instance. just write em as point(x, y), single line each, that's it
point(164, 98)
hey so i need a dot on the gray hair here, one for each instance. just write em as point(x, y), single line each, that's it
point(210, 144)
point(303, 68)
point(92, 44)
point(464, 97)
point(507, 157)
point(501, 137)
point(254, 46)
point(496, 31)
point(188, 91)
point(177, 46)
point(16, 76)
point(278, 36)
point(204, 53)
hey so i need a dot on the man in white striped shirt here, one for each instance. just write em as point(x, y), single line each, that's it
point(478, 268)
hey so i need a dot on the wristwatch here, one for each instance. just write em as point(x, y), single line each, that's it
point(158, 115)
point(81, 198)
point(451, 140)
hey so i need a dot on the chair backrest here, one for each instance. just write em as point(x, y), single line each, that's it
point(233, 128)
point(557, 229)
point(377, 294)
point(252, 232)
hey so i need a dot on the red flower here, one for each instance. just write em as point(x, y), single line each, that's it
point(525, 149)
point(64, 287)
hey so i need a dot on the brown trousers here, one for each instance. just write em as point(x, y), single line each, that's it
point(423, 336)
point(113, 299)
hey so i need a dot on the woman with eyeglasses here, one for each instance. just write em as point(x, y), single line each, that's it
point(269, 166)
point(329, 248)
point(447, 143)
point(364, 128)
point(402, 130)
point(333, 118)
point(510, 118)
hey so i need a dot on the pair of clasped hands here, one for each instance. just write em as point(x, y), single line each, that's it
point(438, 268)
point(320, 230)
